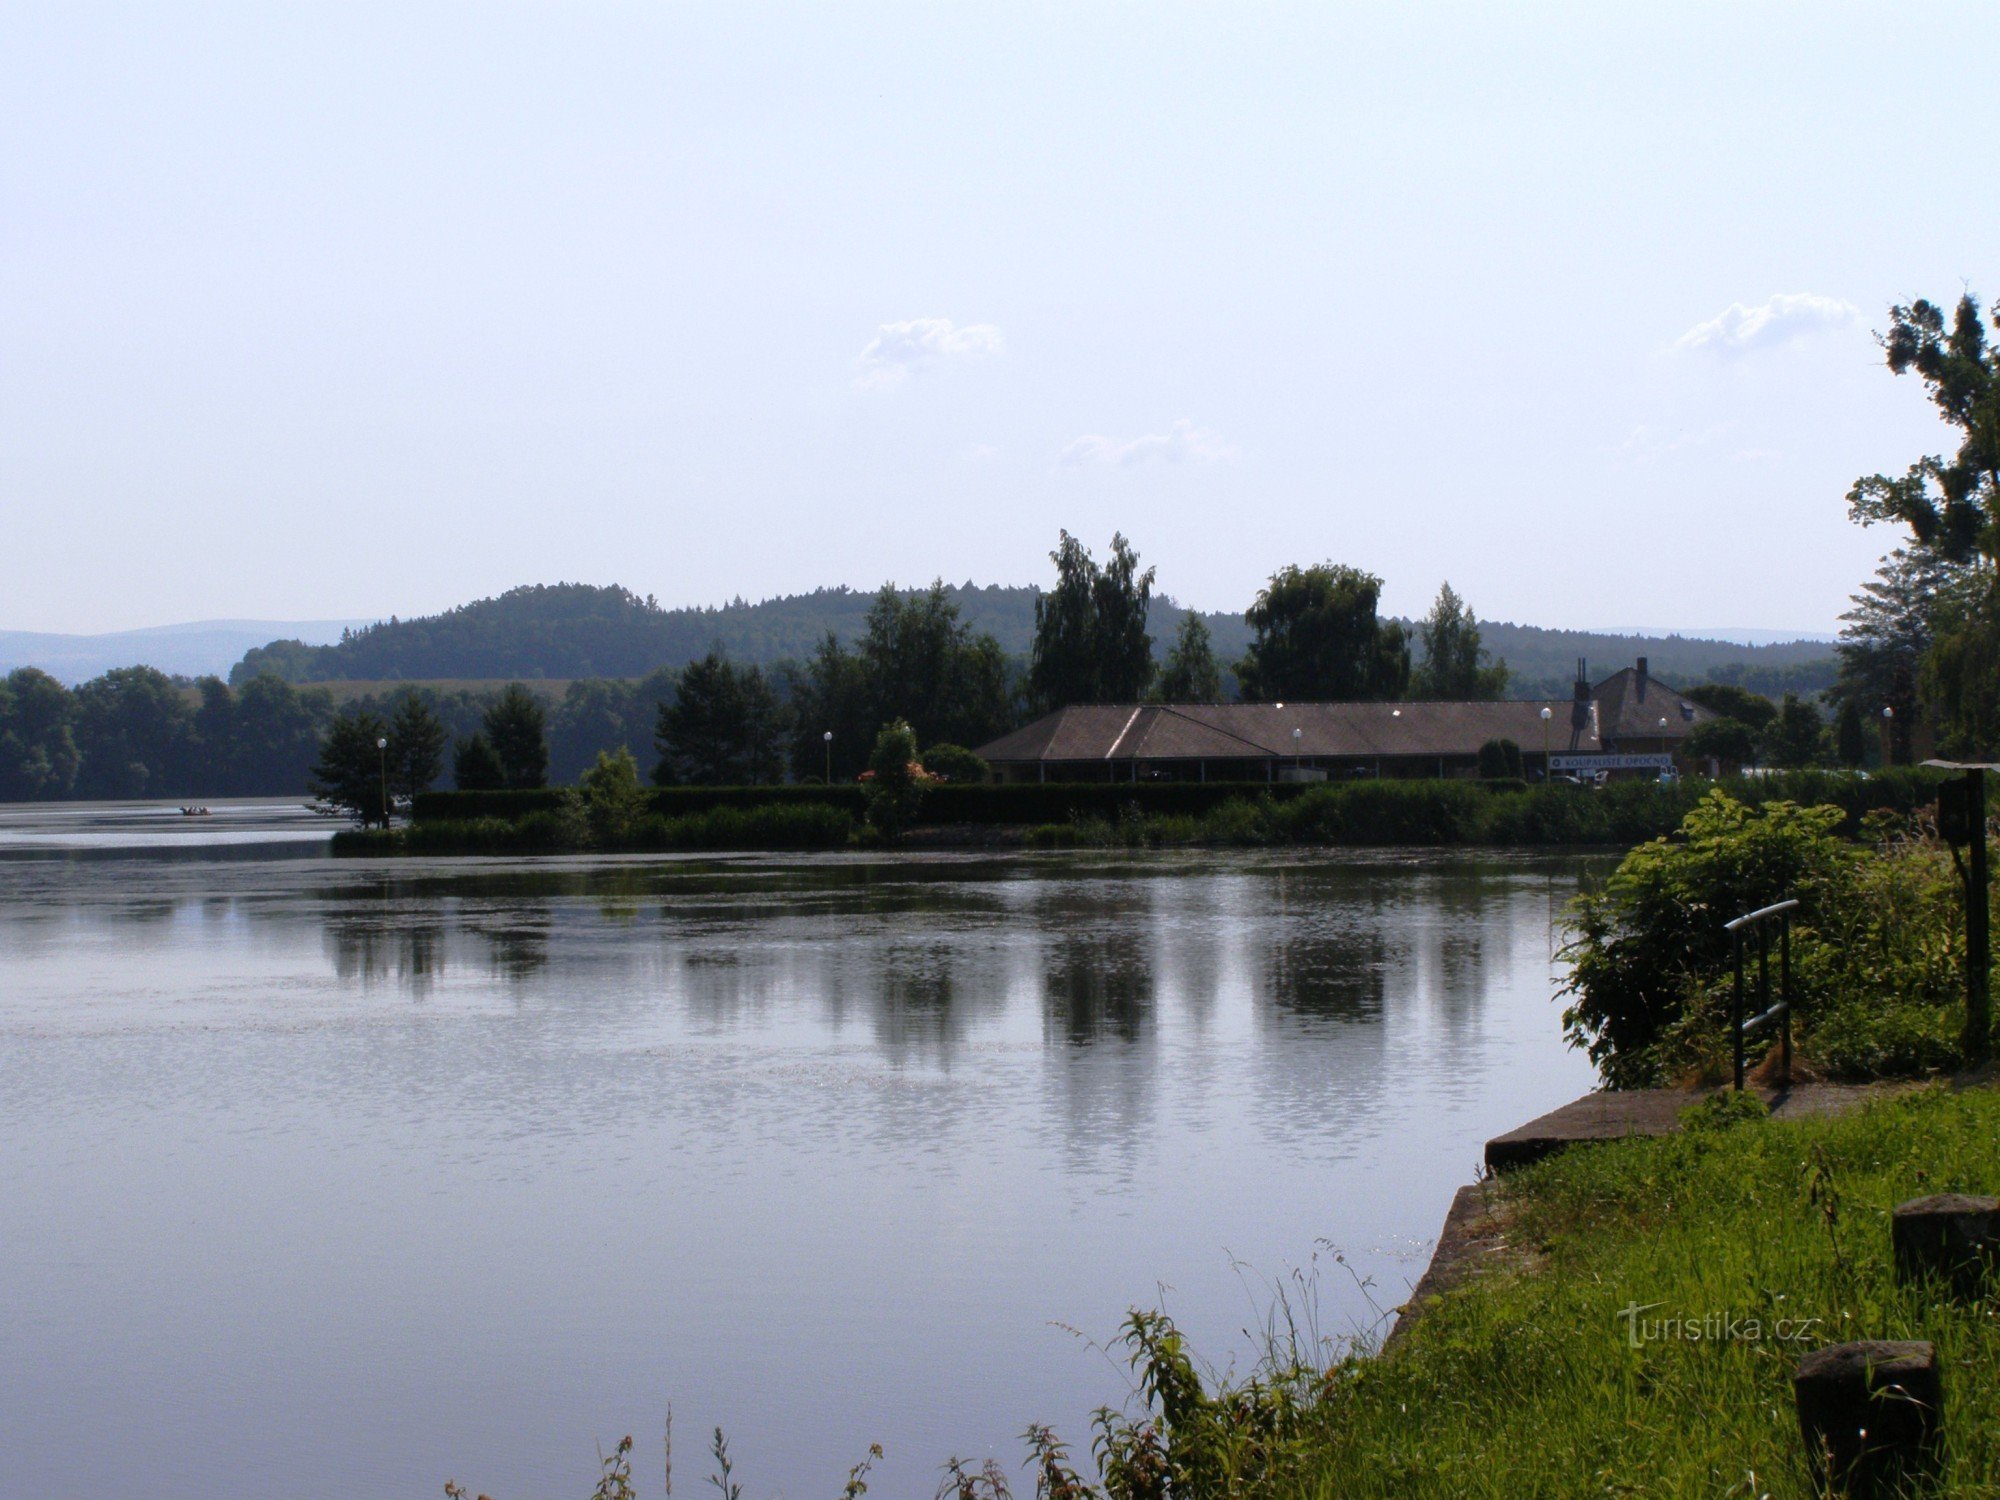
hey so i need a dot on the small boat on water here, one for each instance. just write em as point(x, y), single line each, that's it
point(196, 812)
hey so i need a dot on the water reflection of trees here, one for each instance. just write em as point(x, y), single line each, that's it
point(1098, 984)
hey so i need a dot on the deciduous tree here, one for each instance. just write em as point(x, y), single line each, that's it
point(1091, 644)
point(38, 754)
point(1456, 667)
point(1318, 638)
point(1190, 673)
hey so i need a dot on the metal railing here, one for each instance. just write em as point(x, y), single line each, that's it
point(1768, 1014)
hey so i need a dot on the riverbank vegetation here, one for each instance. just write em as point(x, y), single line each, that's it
point(1121, 816)
point(1878, 943)
point(1640, 1341)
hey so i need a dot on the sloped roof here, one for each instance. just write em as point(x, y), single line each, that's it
point(1263, 731)
point(1630, 706)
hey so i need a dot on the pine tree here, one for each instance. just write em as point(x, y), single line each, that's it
point(517, 729)
point(349, 773)
point(417, 739)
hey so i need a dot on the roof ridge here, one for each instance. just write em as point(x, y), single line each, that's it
point(1218, 729)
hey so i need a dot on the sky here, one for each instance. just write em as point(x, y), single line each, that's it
point(339, 311)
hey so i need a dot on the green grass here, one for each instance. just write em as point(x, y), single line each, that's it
point(1527, 1382)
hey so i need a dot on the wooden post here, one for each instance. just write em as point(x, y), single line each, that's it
point(1978, 937)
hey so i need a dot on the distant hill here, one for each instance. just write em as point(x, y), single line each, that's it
point(1542, 663)
point(196, 649)
point(570, 630)
point(579, 630)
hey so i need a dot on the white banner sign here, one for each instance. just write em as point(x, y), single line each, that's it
point(1611, 762)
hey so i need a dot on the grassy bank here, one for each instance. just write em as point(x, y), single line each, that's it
point(1104, 815)
point(1763, 1239)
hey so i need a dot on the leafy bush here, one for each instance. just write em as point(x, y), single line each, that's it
point(1500, 759)
point(1877, 945)
point(613, 799)
point(956, 764)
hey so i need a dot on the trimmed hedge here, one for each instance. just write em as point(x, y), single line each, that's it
point(1354, 812)
point(666, 802)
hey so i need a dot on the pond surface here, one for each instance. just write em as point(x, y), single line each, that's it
point(336, 1178)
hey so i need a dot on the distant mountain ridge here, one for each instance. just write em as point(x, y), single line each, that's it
point(571, 630)
point(189, 650)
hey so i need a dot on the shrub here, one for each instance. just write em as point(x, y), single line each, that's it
point(897, 780)
point(1649, 953)
point(956, 764)
point(1878, 947)
point(613, 800)
point(1500, 758)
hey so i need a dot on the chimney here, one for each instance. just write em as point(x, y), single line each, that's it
point(1642, 669)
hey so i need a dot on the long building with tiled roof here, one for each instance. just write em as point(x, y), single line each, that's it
point(1630, 722)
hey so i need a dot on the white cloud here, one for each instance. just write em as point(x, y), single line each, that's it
point(898, 350)
point(982, 453)
point(1186, 443)
point(1779, 320)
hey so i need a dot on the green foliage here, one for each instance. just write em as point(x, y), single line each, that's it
point(925, 665)
point(1952, 507)
point(1191, 673)
point(1850, 735)
point(38, 753)
point(1734, 702)
point(557, 829)
point(1650, 1351)
point(1728, 742)
point(417, 740)
point(348, 777)
point(1455, 666)
point(1960, 680)
point(613, 799)
point(897, 780)
point(1796, 738)
point(1877, 945)
point(1887, 636)
point(1648, 951)
point(956, 765)
point(723, 728)
point(1318, 639)
point(1091, 644)
point(475, 768)
point(516, 726)
point(134, 734)
point(1498, 759)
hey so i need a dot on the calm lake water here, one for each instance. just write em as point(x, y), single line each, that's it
point(333, 1178)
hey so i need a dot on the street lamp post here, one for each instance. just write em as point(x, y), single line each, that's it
point(827, 740)
point(1547, 714)
point(1888, 735)
point(382, 754)
point(1298, 766)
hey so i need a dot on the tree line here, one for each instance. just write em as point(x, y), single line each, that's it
point(1316, 634)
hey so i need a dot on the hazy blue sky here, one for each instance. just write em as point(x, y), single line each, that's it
point(341, 310)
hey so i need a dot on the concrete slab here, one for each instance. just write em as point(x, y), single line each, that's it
point(1611, 1115)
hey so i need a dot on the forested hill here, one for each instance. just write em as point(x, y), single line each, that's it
point(572, 630)
point(1542, 662)
point(577, 630)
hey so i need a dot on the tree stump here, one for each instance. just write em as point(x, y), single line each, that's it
point(1950, 1237)
point(1871, 1414)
